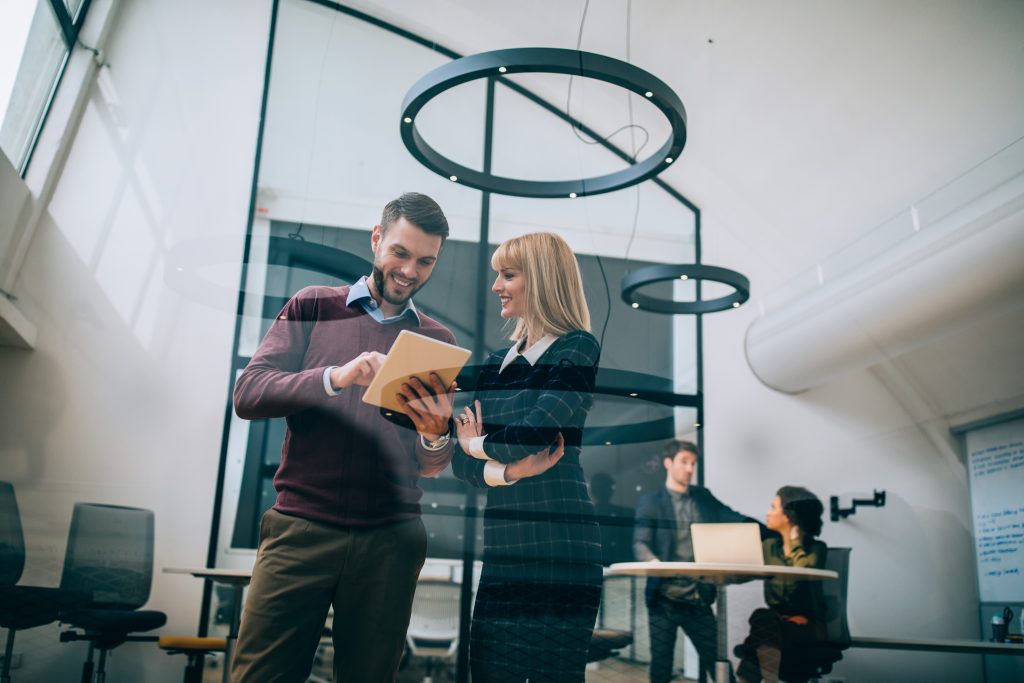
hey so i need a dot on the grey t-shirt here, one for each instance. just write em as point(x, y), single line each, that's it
point(680, 589)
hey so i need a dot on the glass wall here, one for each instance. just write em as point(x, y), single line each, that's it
point(331, 157)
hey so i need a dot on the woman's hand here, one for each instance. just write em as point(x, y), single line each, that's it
point(469, 425)
point(798, 620)
point(538, 463)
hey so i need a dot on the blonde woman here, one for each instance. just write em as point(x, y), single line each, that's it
point(541, 581)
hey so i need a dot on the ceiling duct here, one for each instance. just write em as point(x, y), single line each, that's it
point(962, 260)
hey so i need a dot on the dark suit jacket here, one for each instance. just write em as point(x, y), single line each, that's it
point(655, 530)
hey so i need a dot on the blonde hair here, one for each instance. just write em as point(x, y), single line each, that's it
point(554, 299)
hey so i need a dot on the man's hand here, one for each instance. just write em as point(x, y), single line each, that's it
point(798, 620)
point(429, 407)
point(538, 463)
point(360, 370)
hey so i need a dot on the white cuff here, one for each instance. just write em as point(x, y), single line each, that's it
point(331, 391)
point(494, 474)
point(476, 448)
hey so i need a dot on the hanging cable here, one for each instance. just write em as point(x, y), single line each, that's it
point(632, 128)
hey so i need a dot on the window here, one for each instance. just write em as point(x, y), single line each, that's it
point(35, 44)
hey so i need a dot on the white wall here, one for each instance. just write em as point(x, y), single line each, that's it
point(123, 399)
point(912, 566)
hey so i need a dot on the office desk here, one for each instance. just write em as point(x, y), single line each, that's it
point(974, 647)
point(238, 579)
point(721, 575)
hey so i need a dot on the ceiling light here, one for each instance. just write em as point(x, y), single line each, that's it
point(550, 61)
point(649, 275)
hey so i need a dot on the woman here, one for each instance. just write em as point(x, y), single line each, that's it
point(795, 616)
point(541, 581)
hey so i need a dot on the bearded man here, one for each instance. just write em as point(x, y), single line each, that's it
point(345, 529)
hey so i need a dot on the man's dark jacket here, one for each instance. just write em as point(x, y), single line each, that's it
point(656, 529)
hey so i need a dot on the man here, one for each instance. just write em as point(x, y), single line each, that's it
point(662, 533)
point(345, 529)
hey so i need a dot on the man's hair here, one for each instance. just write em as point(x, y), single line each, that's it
point(802, 508)
point(418, 209)
point(554, 300)
point(674, 446)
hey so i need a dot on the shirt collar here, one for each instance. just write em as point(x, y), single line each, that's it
point(360, 292)
point(531, 355)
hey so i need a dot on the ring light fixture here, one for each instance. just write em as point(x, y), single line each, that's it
point(664, 273)
point(500, 63)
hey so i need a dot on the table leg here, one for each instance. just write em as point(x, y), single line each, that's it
point(236, 618)
point(723, 667)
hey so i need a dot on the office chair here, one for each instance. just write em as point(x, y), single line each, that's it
point(803, 664)
point(434, 626)
point(195, 648)
point(110, 557)
point(21, 607)
point(606, 642)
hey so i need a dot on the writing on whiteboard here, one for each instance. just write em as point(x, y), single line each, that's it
point(997, 460)
point(996, 466)
point(1000, 541)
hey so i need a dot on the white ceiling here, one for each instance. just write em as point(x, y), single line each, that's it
point(822, 118)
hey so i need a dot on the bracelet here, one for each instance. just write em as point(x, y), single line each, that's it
point(438, 443)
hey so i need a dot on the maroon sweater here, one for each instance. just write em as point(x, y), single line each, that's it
point(342, 463)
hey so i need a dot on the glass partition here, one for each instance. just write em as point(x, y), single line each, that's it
point(331, 157)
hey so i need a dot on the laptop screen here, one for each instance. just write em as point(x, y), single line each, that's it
point(727, 543)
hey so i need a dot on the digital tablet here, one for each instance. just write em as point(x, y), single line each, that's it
point(414, 355)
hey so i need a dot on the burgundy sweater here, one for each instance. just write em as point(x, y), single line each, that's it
point(342, 462)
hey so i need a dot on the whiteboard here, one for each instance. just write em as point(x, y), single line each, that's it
point(995, 463)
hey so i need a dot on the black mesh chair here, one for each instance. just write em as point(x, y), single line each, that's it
point(110, 558)
point(21, 607)
point(804, 664)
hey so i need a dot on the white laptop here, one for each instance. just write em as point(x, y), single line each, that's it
point(727, 543)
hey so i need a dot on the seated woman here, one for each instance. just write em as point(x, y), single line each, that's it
point(795, 616)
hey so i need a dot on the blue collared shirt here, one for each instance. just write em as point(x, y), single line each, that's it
point(360, 292)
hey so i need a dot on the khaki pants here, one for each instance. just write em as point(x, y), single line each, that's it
point(303, 567)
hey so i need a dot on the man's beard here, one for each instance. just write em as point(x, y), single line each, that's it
point(379, 283)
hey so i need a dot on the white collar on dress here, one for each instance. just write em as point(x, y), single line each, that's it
point(532, 354)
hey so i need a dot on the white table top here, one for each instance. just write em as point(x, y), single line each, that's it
point(231, 576)
point(720, 574)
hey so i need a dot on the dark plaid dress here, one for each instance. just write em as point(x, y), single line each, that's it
point(541, 582)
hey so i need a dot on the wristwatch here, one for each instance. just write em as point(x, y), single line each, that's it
point(438, 443)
